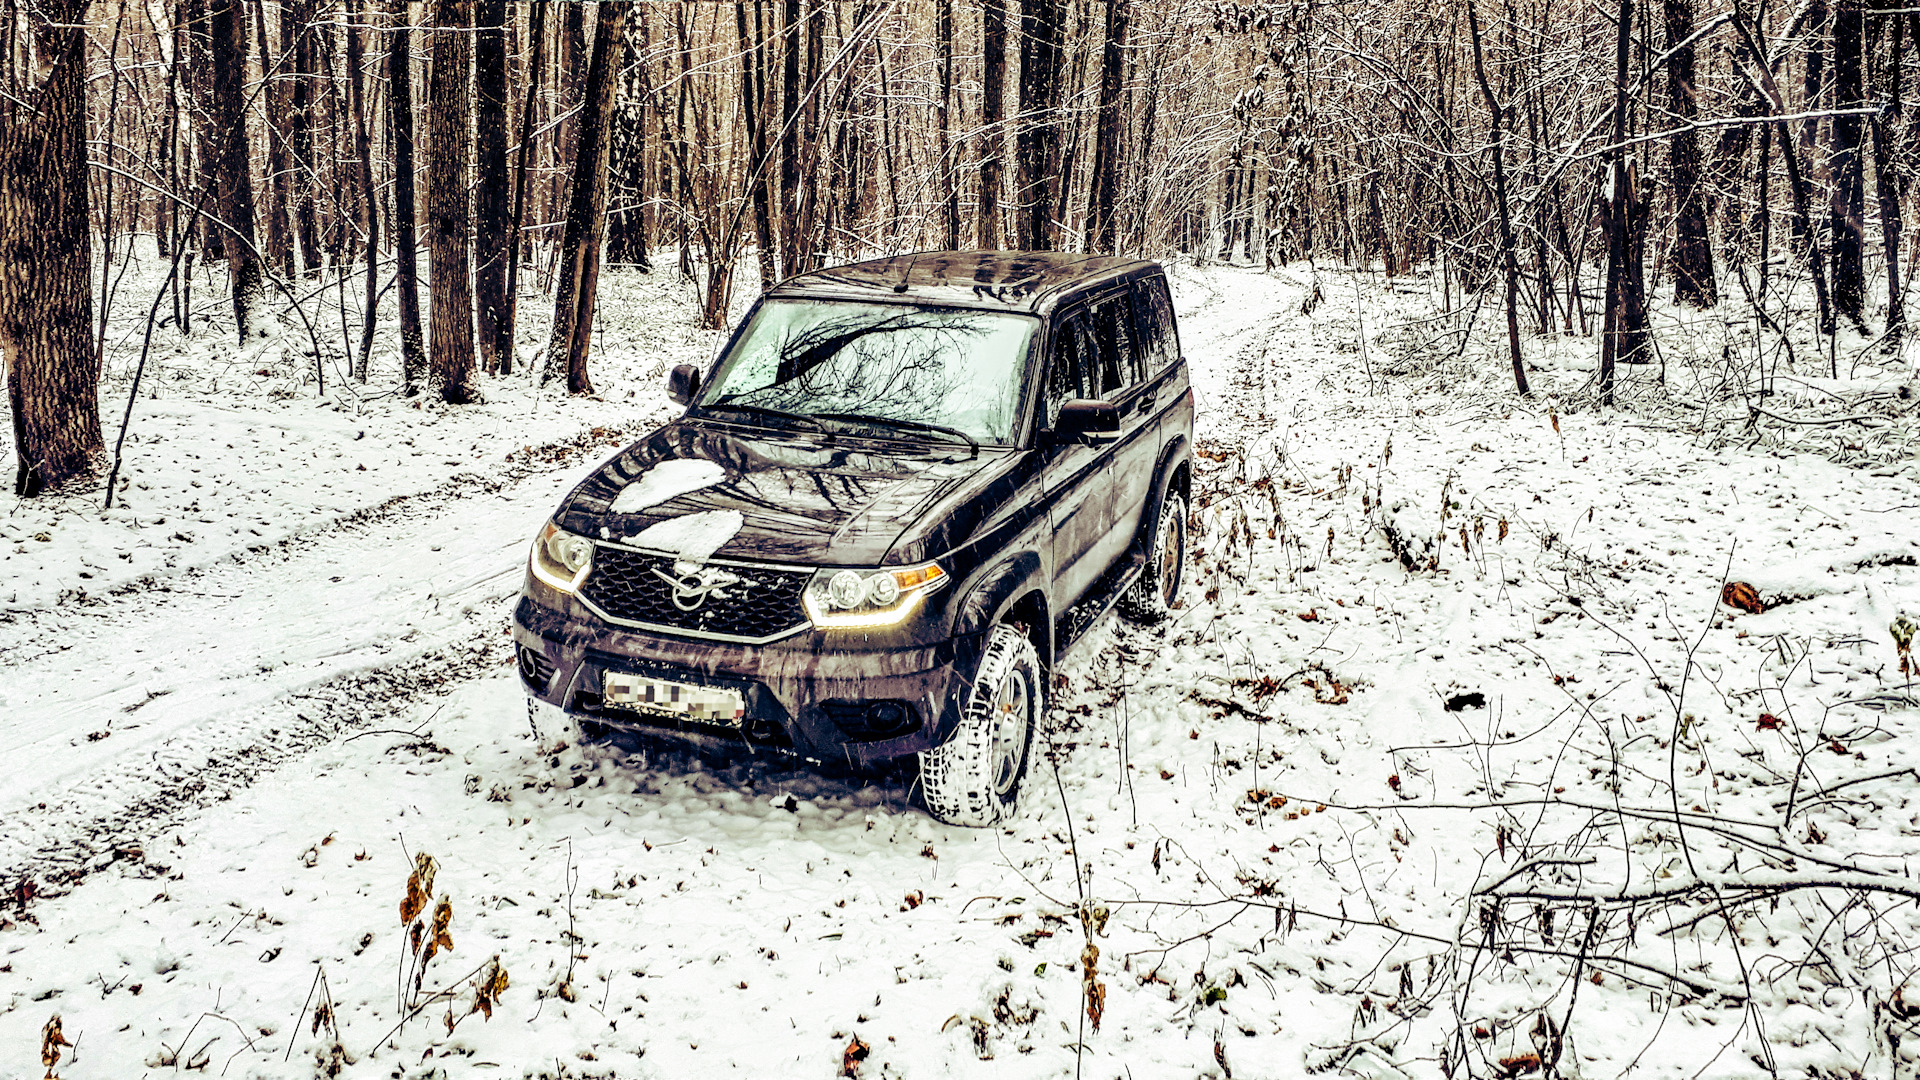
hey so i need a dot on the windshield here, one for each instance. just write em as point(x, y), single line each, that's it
point(926, 369)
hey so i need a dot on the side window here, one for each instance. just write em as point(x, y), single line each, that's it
point(1159, 345)
point(1112, 330)
point(1067, 369)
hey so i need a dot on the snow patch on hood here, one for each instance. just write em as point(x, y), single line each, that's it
point(692, 537)
point(667, 480)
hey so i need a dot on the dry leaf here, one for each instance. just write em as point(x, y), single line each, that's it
point(1516, 1066)
point(1094, 989)
point(855, 1053)
point(1768, 722)
point(51, 1040)
point(419, 887)
point(1739, 594)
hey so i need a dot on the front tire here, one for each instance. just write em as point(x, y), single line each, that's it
point(1152, 595)
point(974, 778)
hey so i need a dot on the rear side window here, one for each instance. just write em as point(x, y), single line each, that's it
point(1159, 343)
point(1113, 339)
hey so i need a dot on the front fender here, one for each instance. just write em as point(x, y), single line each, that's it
point(993, 593)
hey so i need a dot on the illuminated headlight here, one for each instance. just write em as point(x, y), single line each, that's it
point(560, 559)
point(851, 599)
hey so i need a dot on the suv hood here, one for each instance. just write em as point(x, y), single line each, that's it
point(701, 490)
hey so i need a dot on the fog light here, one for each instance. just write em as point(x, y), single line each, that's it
point(889, 718)
point(529, 663)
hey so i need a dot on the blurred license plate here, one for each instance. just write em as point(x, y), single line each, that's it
point(709, 703)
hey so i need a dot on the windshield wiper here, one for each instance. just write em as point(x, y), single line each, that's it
point(765, 410)
point(917, 425)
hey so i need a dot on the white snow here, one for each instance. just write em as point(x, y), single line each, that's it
point(690, 537)
point(667, 480)
point(1420, 741)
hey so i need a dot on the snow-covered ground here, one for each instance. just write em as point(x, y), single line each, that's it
point(1341, 813)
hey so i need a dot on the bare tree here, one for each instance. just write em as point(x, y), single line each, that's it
point(493, 183)
point(1849, 229)
point(227, 30)
point(536, 31)
point(449, 223)
point(586, 209)
point(1037, 138)
point(993, 106)
point(46, 312)
point(1109, 145)
point(1692, 252)
point(413, 357)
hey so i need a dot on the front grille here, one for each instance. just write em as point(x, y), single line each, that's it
point(629, 586)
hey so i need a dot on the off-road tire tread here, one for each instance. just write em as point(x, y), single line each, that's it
point(956, 780)
point(1142, 601)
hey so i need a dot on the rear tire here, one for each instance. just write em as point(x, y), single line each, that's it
point(974, 778)
point(1152, 595)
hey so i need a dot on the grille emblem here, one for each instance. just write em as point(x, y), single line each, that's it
point(690, 591)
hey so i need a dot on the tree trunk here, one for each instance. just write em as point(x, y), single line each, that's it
point(490, 209)
point(1887, 182)
point(1037, 139)
point(1109, 144)
point(279, 228)
point(586, 209)
point(227, 26)
point(537, 33)
point(449, 223)
point(1507, 263)
point(627, 167)
point(369, 197)
point(413, 359)
point(1624, 339)
point(946, 160)
point(792, 30)
point(993, 112)
point(46, 306)
point(297, 32)
point(1849, 181)
point(1692, 253)
point(752, 42)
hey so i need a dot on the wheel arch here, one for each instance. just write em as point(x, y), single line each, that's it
point(1173, 473)
point(1013, 590)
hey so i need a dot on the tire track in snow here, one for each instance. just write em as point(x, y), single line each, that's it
point(180, 690)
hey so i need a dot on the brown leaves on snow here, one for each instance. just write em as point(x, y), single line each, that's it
point(855, 1053)
point(51, 1040)
point(1740, 595)
point(419, 887)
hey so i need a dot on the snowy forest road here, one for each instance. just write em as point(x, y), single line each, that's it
point(139, 706)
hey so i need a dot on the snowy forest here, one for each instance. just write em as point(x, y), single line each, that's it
point(1539, 701)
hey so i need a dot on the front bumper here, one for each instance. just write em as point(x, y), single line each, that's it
point(812, 694)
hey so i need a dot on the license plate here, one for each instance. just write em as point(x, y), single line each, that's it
point(711, 704)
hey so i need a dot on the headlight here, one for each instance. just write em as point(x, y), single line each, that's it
point(560, 559)
point(852, 599)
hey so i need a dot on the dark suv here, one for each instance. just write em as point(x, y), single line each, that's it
point(905, 487)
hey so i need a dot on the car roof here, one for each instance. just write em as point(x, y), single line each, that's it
point(1026, 281)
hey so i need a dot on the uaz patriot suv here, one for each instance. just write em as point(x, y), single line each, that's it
point(902, 490)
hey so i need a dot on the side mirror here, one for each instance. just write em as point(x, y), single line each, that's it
point(682, 383)
point(1087, 423)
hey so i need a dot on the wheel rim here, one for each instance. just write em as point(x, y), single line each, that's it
point(1171, 551)
point(1010, 717)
